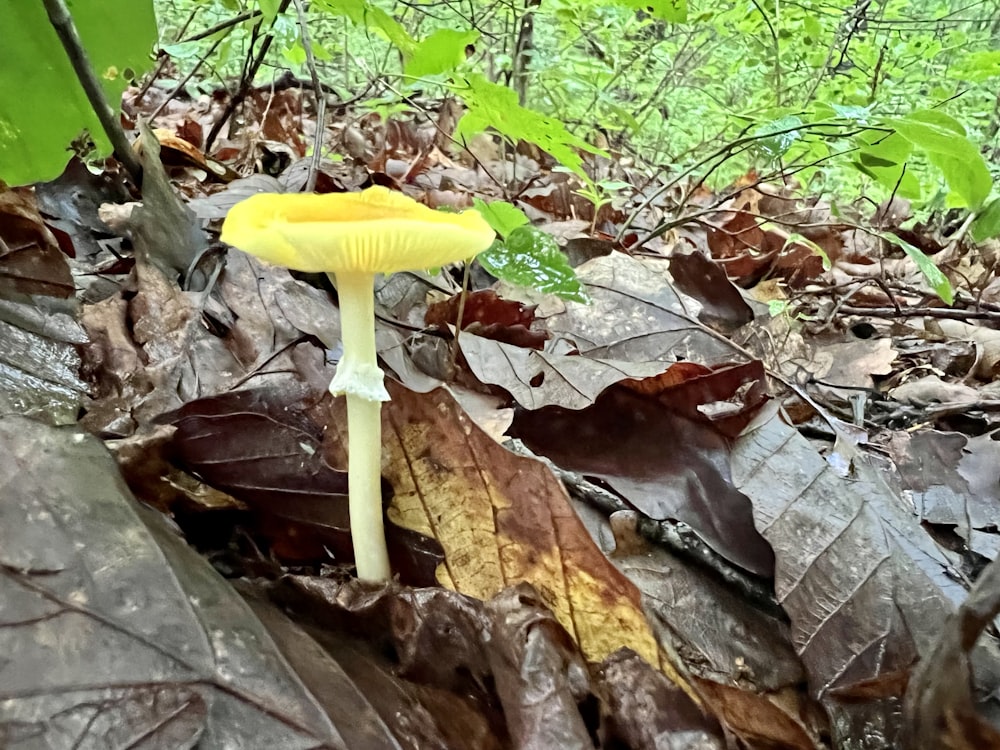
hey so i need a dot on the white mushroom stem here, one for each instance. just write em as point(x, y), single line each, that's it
point(358, 377)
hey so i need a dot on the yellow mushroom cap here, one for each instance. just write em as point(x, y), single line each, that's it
point(374, 231)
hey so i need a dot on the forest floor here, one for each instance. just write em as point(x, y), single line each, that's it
point(736, 498)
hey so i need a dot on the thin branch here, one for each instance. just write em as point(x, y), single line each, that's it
point(65, 29)
point(246, 84)
point(227, 24)
point(320, 97)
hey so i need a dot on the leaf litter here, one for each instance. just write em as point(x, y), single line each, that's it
point(768, 481)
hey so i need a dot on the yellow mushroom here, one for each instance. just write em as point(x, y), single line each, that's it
point(352, 237)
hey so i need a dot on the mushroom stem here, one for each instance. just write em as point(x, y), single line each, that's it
point(359, 377)
point(364, 470)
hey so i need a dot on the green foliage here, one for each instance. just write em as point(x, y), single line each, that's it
point(490, 105)
point(944, 141)
point(526, 256)
point(897, 97)
point(531, 258)
point(371, 18)
point(501, 216)
point(441, 52)
point(668, 10)
point(938, 281)
point(987, 223)
point(43, 108)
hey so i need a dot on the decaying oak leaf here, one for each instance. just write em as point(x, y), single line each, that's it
point(501, 519)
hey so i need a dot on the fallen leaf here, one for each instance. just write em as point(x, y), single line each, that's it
point(866, 589)
point(537, 378)
point(664, 464)
point(635, 315)
point(502, 520)
point(114, 630)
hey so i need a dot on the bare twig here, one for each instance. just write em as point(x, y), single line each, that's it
point(163, 59)
point(921, 312)
point(65, 29)
point(227, 24)
point(246, 84)
point(180, 86)
point(320, 97)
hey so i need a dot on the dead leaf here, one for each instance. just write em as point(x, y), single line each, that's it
point(536, 379)
point(114, 630)
point(501, 520)
point(635, 315)
point(866, 589)
point(664, 464)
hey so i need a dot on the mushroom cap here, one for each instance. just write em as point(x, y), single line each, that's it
point(374, 231)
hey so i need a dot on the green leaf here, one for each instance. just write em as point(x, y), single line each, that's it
point(530, 257)
point(503, 217)
point(776, 145)
point(978, 67)
point(371, 17)
point(441, 52)
point(883, 157)
point(490, 105)
point(987, 224)
point(42, 106)
point(269, 9)
point(674, 11)
point(947, 147)
point(938, 281)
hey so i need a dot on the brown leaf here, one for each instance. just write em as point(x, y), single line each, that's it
point(536, 378)
point(700, 277)
point(866, 590)
point(263, 448)
point(663, 463)
point(647, 710)
point(31, 261)
point(940, 708)
point(483, 306)
point(634, 315)
point(489, 316)
point(114, 629)
point(501, 520)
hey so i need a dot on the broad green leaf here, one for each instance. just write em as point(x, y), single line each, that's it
point(987, 224)
point(883, 157)
point(947, 147)
point(441, 52)
point(503, 217)
point(269, 9)
point(42, 106)
point(529, 257)
point(490, 105)
point(938, 119)
point(938, 281)
point(775, 146)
